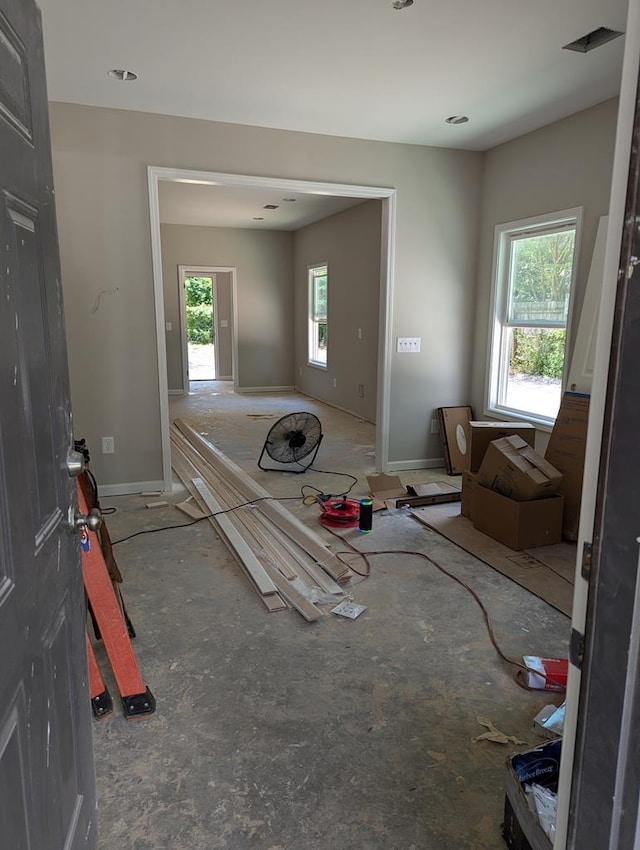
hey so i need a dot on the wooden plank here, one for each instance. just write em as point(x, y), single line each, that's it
point(249, 519)
point(185, 471)
point(294, 597)
point(306, 563)
point(257, 572)
point(187, 507)
point(312, 543)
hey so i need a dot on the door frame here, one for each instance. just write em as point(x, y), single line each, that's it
point(203, 271)
point(155, 174)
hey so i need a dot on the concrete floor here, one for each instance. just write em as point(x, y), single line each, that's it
point(275, 734)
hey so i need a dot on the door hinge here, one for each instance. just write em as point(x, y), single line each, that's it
point(576, 649)
point(585, 569)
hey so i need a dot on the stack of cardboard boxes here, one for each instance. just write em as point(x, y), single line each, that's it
point(515, 495)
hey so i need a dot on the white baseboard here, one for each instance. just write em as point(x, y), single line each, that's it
point(175, 392)
point(425, 463)
point(334, 406)
point(266, 389)
point(130, 487)
point(225, 378)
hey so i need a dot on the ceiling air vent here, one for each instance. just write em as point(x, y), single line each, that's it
point(270, 207)
point(592, 39)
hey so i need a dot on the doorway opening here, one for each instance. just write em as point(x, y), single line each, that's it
point(198, 297)
point(206, 298)
point(157, 174)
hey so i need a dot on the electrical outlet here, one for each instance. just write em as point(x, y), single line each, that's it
point(359, 333)
point(335, 383)
point(409, 344)
point(361, 390)
point(169, 326)
point(435, 427)
point(108, 446)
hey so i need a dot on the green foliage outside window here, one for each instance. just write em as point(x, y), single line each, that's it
point(199, 300)
point(537, 351)
point(540, 287)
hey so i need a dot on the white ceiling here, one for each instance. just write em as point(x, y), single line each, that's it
point(233, 206)
point(353, 68)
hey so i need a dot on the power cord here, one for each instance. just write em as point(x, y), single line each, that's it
point(521, 668)
point(201, 518)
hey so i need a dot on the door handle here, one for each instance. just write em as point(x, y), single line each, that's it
point(75, 463)
point(91, 521)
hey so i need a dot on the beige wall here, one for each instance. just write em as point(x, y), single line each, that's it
point(567, 164)
point(350, 243)
point(100, 158)
point(264, 282)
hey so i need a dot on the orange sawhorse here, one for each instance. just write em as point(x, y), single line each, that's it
point(137, 699)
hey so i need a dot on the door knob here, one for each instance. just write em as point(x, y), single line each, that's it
point(75, 463)
point(91, 521)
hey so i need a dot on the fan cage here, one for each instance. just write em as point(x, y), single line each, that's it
point(291, 439)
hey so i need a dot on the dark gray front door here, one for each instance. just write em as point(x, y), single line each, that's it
point(47, 788)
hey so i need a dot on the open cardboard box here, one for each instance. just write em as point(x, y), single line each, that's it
point(511, 467)
point(388, 491)
point(519, 525)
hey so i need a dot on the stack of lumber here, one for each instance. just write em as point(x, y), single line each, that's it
point(286, 562)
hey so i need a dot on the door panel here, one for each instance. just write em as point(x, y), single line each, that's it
point(14, 800)
point(47, 786)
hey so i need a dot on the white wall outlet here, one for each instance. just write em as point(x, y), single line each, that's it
point(224, 323)
point(108, 446)
point(335, 382)
point(435, 427)
point(409, 344)
point(361, 390)
point(168, 326)
point(359, 333)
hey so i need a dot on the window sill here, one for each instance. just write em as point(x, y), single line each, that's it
point(314, 365)
point(506, 415)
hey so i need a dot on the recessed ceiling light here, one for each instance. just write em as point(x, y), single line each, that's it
point(122, 75)
point(270, 207)
point(402, 4)
point(290, 200)
point(457, 119)
point(258, 218)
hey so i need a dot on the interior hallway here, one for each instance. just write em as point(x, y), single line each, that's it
point(275, 734)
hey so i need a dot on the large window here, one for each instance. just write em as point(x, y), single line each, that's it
point(534, 271)
point(318, 328)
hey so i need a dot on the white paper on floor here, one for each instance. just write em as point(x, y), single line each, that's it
point(349, 609)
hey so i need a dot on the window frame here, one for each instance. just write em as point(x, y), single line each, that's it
point(497, 362)
point(313, 323)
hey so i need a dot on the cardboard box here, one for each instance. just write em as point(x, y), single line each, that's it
point(483, 433)
point(468, 486)
point(519, 525)
point(511, 467)
point(521, 830)
point(389, 491)
point(454, 434)
point(566, 452)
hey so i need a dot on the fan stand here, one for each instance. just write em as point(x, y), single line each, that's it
point(285, 467)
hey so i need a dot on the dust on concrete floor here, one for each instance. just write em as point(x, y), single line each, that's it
point(272, 733)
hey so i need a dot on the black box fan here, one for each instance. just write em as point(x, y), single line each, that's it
point(292, 438)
